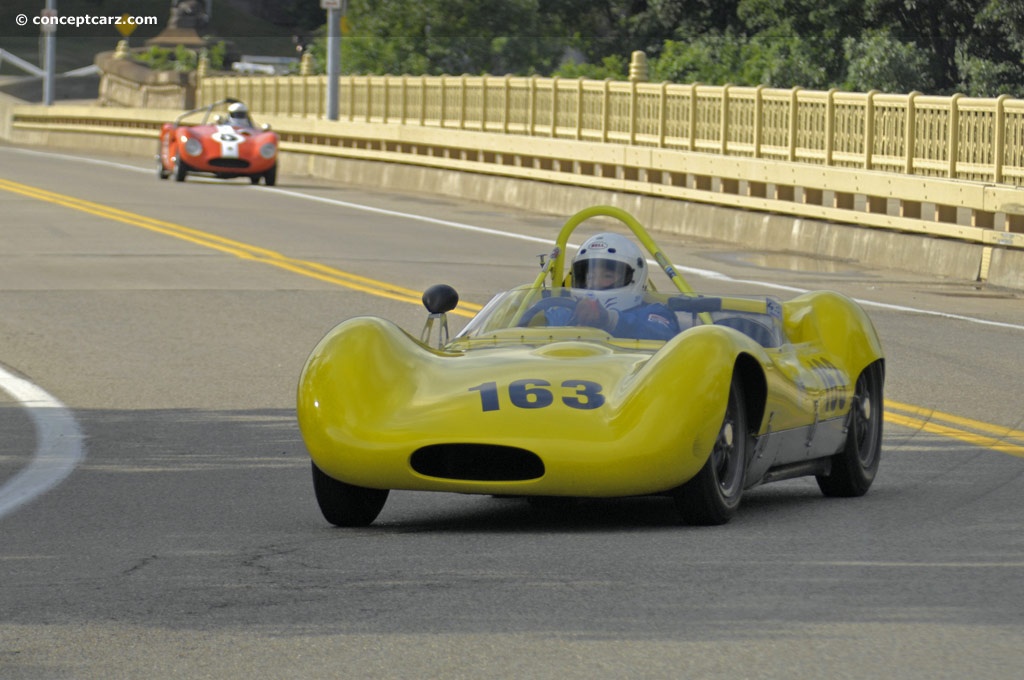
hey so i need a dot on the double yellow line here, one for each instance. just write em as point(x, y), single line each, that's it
point(240, 250)
point(973, 432)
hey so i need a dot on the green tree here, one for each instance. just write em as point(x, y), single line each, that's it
point(879, 61)
point(938, 28)
point(800, 42)
point(934, 46)
point(448, 36)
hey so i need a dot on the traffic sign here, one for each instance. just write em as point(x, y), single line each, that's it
point(124, 27)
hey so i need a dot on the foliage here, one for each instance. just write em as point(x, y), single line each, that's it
point(932, 46)
point(446, 36)
point(180, 58)
point(878, 61)
point(612, 67)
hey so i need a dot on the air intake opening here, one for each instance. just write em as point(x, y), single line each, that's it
point(229, 162)
point(477, 462)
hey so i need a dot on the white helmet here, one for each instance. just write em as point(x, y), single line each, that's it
point(613, 266)
point(238, 111)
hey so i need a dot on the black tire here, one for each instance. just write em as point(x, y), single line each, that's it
point(254, 179)
point(854, 468)
point(346, 505)
point(180, 169)
point(270, 176)
point(713, 496)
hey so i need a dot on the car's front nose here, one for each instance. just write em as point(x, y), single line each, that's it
point(377, 409)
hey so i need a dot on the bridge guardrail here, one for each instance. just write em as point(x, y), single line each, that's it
point(935, 206)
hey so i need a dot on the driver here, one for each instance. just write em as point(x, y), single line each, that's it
point(238, 115)
point(613, 267)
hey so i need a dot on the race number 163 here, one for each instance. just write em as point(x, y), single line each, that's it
point(581, 394)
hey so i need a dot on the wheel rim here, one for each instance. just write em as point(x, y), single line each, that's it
point(865, 423)
point(727, 454)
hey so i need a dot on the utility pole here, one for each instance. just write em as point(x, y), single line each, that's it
point(49, 51)
point(335, 10)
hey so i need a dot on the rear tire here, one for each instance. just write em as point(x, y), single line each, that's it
point(854, 468)
point(347, 505)
point(161, 171)
point(713, 496)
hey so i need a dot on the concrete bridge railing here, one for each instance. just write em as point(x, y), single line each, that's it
point(947, 169)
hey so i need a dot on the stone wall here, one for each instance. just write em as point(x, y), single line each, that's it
point(126, 84)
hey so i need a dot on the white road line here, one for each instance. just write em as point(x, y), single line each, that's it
point(705, 273)
point(82, 159)
point(59, 444)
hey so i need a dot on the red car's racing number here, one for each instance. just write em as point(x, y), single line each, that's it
point(581, 394)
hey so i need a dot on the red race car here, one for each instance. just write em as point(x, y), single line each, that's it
point(224, 146)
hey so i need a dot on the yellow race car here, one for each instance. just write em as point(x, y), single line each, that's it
point(536, 398)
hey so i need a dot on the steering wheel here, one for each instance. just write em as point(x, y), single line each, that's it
point(546, 304)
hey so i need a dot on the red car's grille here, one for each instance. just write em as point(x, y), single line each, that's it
point(477, 462)
point(229, 163)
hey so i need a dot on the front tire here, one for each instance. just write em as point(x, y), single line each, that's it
point(713, 496)
point(180, 169)
point(270, 176)
point(346, 505)
point(854, 468)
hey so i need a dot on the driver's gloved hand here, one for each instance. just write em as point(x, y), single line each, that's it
point(558, 316)
point(590, 312)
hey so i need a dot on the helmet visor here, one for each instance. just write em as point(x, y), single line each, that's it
point(599, 274)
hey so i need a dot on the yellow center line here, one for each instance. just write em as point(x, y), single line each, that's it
point(245, 251)
point(925, 414)
point(914, 417)
point(974, 439)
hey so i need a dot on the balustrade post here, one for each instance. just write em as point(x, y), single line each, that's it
point(532, 105)
point(554, 107)
point(606, 109)
point(483, 103)
point(910, 133)
point(462, 101)
point(404, 96)
point(369, 98)
point(758, 120)
point(508, 103)
point(999, 139)
point(579, 107)
point(662, 113)
point(830, 126)
point(423, 101)
point(793, 121)
point(724, 128)
point(869, 129)
point(692, 144)
point(632, 111)
point(444, 98)
point(953, 141)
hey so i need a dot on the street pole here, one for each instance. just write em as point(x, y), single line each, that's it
point(334, 13)
point(49, 54)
